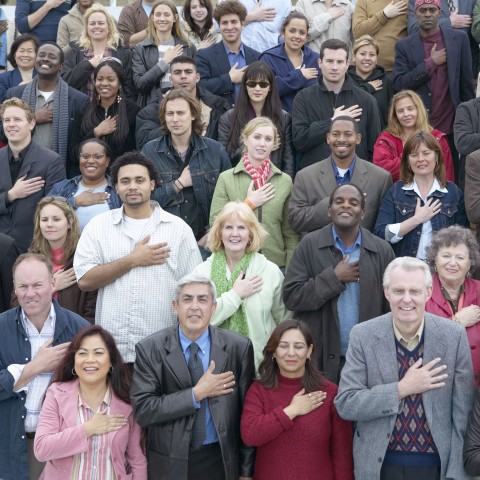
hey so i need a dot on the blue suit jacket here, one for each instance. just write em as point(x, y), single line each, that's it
point(10, 79)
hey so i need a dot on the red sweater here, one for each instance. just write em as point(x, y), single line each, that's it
point(311, 447)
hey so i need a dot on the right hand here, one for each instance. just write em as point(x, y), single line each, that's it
point(354, 111)
point(262, 195)
point(438, 56)
point(145, 255)
point(395, 9)
point(245, 287)
point(213, 385)
point(95, 60)
point(309, 73)
point(44, 114)
point(376, 84)
point(420, 379)
point(428, 211)
point(186, 177)
point(336, 12)
point(102, 423)
point(89, 197)
point(171, 53)
point(303, 403)
point(347, 272)
point(208, 42)
point(54, 3)
point(263, 14)
point(106, 127)
point(460, 21)
point(64, 279)
point(24, 188)
point(236, 74)
point(48, 358)
point(468, 316)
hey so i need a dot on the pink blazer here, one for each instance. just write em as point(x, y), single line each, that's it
point(59, 437)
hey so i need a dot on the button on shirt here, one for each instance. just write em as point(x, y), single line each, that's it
point(347, 174)
point(233, 58)
point(204, 344)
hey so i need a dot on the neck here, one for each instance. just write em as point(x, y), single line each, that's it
point(82, 9)
point(200, 25)
point(93, 394)
point(429, 33)
point(424, 183)
point(233, 258)
point(257, 107)
point(255, 163)
point(234, 46)
point(181, 142)
point(47, 84)
point(343, 163)
point(164, 36)
point(107, 102)
point(17, 147)
point(452, 287)
point(93, 183)
point(347, 235)
point(39, 320)
point(410, 329)
point(26, 72)
point(292, 53)
point(407, 132)
point(362, 74)
point(141, 212)
point(98, 46)
point(334, 87)
point(57, 243)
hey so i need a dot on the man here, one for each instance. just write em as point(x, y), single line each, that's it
point(188, 388)
point(8, 254)
point(189, 164)
point(134, 255)
point(335, 94)
point(308, 207)
point(29, 171)
point(408, 382)
point(184, 75)
point(221, 66)
point(32, 344)
point(133, 21)
point(472, 189)
point(71, 25)
point(334, 278)
point(57, 106)
point(436, 64)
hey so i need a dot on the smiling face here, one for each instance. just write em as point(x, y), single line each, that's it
point(346, 211)
point(198, 12)
point(260, 144)
point(92, 361)
point(54, 225)
point(97, 27)
point(406, 113)
point(295, 34)
point(422, 161)
point(365, 60)
point(107, 84)
point(163, 19)
point(292, 353)
point(25, 55)
point(235, 237)
point(17, 128)
point(93, 162)
point(48, 61)
point(343, 139)
point(453, 264)
point(230, 28)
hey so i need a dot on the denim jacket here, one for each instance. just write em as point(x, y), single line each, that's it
point(398, 205)
point(208, 159)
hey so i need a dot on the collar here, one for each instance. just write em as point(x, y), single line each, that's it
point(51, 318)
point(349, 169)
point(434, 188)
point(240, 50)
point(356, 243)
point(22, 153)
point(159, 215)
point(240, 167)
point(203, 341)
point(401, 338)
point(105, 401)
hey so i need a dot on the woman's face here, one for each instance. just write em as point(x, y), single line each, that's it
point(235, 236)
point(163, 19)
point(452, 264)
point(257, 90)
point(406, 113)
point(97, 27)
point(295, 34)
point(365, 59)
point(93, 162)
point(54, 225)
point(198, 11)
point(25, 55)
point(422, 161)
point(260, 143)
point(92, 361)
point(292, 353)
point(107, 84)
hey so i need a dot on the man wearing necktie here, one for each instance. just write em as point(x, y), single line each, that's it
point(188, 389)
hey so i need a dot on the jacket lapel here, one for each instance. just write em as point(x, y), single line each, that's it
point(176, 361)
point(386, 352)
point(218, 350)
point(360, 174)
point(326, 177)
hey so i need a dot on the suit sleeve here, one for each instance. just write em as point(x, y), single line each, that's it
point(465, 130)
point(288, 162)
point(76, 72)
point(220, 197)
point(472, 190)
point(224, 128)
point(217, 84)
point(144, 79)
point(55, 173)
point(362, 24)
point(386, 156)
point(471, 447)
point(475, 30)
point(22, 11)
point(405, 75)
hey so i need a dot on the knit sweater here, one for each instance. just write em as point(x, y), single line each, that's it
point(313, 446)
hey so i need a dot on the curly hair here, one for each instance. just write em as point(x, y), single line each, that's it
point(113, 37)
point(230, 7)
point(135, 158)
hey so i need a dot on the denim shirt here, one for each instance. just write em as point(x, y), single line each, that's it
point(398, 205)
point(208, 159)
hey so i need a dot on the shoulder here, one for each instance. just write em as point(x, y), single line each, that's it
point(443, 325)
point(8, 320)
point(374, 169)
point(379, 245)
point(158, 340)
point(215, 48)
point(377, 326)
point(71, 319)
point(45, 155)
point(232, 340)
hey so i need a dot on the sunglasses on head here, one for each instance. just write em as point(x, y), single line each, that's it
point(260, 83)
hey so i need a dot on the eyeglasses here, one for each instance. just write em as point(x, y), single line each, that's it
point(96, 156)
point(254, 83)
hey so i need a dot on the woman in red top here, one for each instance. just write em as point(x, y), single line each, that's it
point(289, 414)
point(407, 114)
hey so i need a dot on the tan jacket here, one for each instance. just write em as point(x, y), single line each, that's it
point(69, 28)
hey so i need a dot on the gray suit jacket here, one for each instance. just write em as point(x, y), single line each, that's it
point(368, 392)
point(308, 207)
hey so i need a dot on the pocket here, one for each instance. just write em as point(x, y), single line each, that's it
point(404, 210)
point(164, 179)
point(449, 210)
point(210, 182)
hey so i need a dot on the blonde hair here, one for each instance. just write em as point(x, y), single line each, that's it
point(237, 211)
point(256, 123)
point(113, 37)
point(176, 28)
point(17, 102)
point(363, 41)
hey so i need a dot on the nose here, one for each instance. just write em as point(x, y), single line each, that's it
point(291, 351)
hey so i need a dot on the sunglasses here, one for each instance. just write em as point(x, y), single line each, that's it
point(254, 83)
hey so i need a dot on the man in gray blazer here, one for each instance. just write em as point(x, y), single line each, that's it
point(408, 382)
point(308, 207)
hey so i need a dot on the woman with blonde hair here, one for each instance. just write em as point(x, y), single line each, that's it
point(98, 41)
point(407, 114)
point(249, 287)
point(152, 56)
point(263, 187)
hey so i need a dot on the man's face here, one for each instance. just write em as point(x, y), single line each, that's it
point(16, 126)
point(48, 61)
point(342, 139)
point(427, 17)
point(230, 27)
point(178, 117)
point(134, 185)
point(184, 75)
point(334, 65)
point(346, 209)
point(34, 288)
point(195, 308)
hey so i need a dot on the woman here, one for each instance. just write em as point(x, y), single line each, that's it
point(99, 40)
point(422, 202)
point(87, 416)
point(258, 97)
point(265, 189)
point(295, 66)
point(249, 287)
point(453, 256)
point(197, 23)
point(290, 409)
point(110, 116)
point(92, 192)
point(22, 58)
point(152, 56)
point(369, 76)
point(407, 114)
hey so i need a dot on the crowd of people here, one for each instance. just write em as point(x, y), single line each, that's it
point(235, 243)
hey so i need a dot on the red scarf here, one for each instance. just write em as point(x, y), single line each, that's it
point(259, 175)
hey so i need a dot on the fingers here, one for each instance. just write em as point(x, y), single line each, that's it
point(211, 367)
point(145, 240)
point(48, 343)
point(432, 363)
point(345, 258)
point(300, 393)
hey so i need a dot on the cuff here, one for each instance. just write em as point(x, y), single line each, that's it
point(391, 233)
point(16, 371)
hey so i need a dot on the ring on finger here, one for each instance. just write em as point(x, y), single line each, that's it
point(224, 386)
point(309, 395)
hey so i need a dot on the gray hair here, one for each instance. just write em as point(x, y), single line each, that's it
point(454, 236)
point(408, 264)
point(195, 278)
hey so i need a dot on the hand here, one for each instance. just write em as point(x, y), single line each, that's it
point(186, 177)
point(347, 272)
point(236, 74)
point(213, 385)
point(54, 3)
point(376, 84)
point(95, 60)
point(24, 188)
point(420, 379)
point(172, 53)
point(468, 316)
point(303, 403)
point(309, 73)
point(64, 279)
point(145, 255)
point(262, 195)
point(101, 423)
point(354, 111)
point(89, 197)
point(48, 358)
point(336, 12)
point(208, 42)
point(3, 26)
point(245, 287)
point(438, 56)
point(428, 211)
point(460, 21)
point(393, 9)
point(106, 127)
point(262, 14)
point(44, 114)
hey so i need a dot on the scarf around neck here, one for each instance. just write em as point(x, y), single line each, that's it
point(259, 175)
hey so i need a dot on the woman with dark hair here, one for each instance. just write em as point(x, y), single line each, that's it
point(258, 97)
point(22, 58)
point(290, 408)
point(86, 420)
point(110, 116)
point(197, 23)
point(422, 202)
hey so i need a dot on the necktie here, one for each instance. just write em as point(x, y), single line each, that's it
point(199, 430)
point(451, 5)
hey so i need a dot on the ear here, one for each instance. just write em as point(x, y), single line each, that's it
point(359, 139)
point(328, 212)
point(175, 306)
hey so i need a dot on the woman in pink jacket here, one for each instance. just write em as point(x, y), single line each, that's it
point(86, 424)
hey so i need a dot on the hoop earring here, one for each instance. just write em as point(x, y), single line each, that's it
point(74, 373)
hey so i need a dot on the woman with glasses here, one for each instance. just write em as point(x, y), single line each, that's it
point(91, 192)
point(258, 97)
